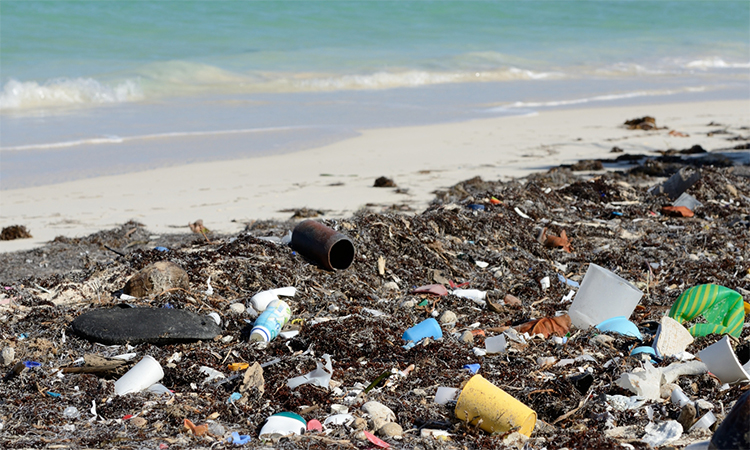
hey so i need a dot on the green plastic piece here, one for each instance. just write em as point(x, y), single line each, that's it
point(423, 303)
point(722, 308)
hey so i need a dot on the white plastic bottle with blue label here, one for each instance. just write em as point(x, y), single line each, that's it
point(268, 325)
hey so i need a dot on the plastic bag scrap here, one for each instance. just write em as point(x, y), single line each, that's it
point(318, 377)
point(655, 383)
point(663, 433)
point(722, 308)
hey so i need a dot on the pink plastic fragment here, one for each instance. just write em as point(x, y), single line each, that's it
point(314, 425)
point(376, 440)
point(437, 289)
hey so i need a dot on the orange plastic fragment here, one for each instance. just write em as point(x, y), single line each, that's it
point(376, 440)
point(495, 201)
point(198, 430)
point(552, 241)
point(477, 333)
point(677, 211)
point(238, 366)
point(559, 325)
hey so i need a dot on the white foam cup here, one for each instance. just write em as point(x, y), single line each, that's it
point(602, 295)
point(722, 362)
point(142, 375)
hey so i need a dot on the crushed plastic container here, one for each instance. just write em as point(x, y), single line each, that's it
point(722, 308)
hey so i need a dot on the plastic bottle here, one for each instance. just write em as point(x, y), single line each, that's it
point(268, 325)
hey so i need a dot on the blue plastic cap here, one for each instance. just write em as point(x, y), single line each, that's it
point(620, 325)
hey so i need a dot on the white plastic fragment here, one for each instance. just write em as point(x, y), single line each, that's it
point(495, 344)
point(475, 295)
point(520, 213)
point(260, 300)
point(209, 289)
point(650, 381)
point(671, 338)
point(482, 264)
point(213, 374)
point(339, 419)
point(318, 377)
point(445, 395)
point(544, 283)
point(663, 433)
point(704, 422)
point(622, 403)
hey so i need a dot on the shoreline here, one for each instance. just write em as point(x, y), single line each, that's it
point(338, 178)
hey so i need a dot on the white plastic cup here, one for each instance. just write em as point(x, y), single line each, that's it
point(602, 295)
point(722, 362)
point(704, 422)
point(148, 371)
point(679, 398)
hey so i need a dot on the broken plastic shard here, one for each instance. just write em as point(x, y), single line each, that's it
point(622, 403)
point(663, 433)
point(671, 337)
point(318, 377)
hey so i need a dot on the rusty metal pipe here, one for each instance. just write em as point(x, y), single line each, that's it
point(331, 249)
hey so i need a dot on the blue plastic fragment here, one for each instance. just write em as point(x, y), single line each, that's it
point(53, 394)
point(644, 349)
point(621, 325)
point(567, 281)
point(473, 368)
point(238, 439)
point(476, 207)
point(161, 249)
point(616, 213)
point(168, 306)
point(234, 397)
point(32, 364)
point(22, 336)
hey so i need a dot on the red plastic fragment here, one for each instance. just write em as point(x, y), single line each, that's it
point(376, 440)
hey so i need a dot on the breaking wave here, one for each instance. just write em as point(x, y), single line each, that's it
point(19, 95)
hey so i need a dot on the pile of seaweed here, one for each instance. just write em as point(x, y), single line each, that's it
point(479, 234)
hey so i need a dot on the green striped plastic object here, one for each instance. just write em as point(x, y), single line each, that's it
point(722, 308)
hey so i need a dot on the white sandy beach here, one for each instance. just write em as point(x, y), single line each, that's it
point(339, 178)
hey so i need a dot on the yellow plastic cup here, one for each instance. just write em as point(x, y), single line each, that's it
point(494, 409)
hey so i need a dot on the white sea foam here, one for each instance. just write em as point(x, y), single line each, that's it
point(598, 98)
point(119, 140)
point(715, 63)
point(18, 95)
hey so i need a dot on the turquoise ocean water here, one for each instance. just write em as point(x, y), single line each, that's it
point(99, 87)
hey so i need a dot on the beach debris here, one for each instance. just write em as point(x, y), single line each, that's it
point(641, 123)
point(551, 241)
point(261, 300)
point(591, 306)
point(324, 245)
point(722, 362)
point(483, 404)
point(687, 416)
point(663, 433)
point(269, 324)
point(283, 424)
point(547, 326)
point(142, 376)
point(436, 289)
point(671, 337)
point(319, 377)
point(14, 232)
point(620, 325)
point(197, 227)
point(688, 201)
point(734, 430)
point(8, 355)
point(723, 309)
point(587, 165)
point(157, 278)
point(494, 344)
point(384, 182)
point(428, 328)
point(253, 379)
point(677, 211)
point(196, 430)
point(704, 422)
point(649, 381)
point(677, 184)
point(159, 326)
